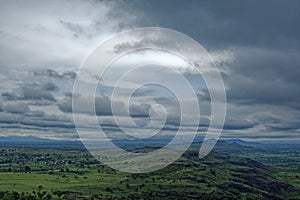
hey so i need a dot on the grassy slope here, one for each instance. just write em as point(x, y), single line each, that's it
point(218, 176)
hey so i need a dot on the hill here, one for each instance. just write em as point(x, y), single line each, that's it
point(73, 174)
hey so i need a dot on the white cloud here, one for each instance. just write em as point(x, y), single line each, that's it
point(54, 33)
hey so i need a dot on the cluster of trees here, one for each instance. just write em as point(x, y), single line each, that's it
point(41, 195)
point(34, 195)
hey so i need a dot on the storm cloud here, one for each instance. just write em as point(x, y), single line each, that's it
point(255, 44)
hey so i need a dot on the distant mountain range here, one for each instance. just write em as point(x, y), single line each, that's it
point(25, 139)
point(242, 142)
point(37, 142)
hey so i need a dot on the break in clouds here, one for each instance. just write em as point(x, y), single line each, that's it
point(42, 44)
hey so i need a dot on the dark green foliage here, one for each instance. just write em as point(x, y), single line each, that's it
point(71, 174)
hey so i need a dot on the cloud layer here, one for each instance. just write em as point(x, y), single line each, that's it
point(255, 44)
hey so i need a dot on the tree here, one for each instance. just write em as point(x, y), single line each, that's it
point(27, 168)
point(40, 187)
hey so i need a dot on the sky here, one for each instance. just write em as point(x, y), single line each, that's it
point(255, 45)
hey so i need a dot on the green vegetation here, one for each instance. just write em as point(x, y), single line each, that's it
point(75, 174)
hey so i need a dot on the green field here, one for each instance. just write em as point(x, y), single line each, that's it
point(75, 174)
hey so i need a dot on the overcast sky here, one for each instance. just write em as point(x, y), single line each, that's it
point(255, 44)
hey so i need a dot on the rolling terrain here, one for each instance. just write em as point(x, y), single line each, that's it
point(231, 171)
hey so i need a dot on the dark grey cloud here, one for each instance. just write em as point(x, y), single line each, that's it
point(263, 37)
point(292, 127)
point(230, 23)
point(265, 137)
point(19, 113)
point(18, 107)
point(10, 95)
point(49, 86)
point(31, 93)
point(123, 47)
point(267, 64)
point(261, 75)
point(47, 121)
point(143, 92)
point(238, 124)
point(264, 40)
point(102, 105)
point(35, 113)
point(54, 74)
point(141, 110)
point(65, 106)
point(49, 72)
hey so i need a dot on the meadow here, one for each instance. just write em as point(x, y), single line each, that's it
point(28, 173)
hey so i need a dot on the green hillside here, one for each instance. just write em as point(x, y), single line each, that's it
point(72, 174)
